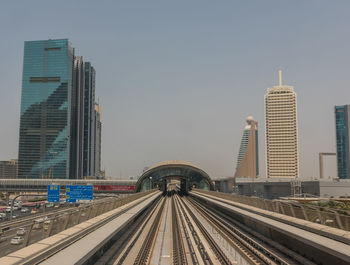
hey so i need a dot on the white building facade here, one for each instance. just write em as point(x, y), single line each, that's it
point(282, 157)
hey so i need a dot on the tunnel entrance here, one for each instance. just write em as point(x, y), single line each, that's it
point(181, 174)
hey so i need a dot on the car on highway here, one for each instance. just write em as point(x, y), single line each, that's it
point(21, 231)
point(15, 203)
point(15, 208)
point(2, 215)
point(2, 237)
point(46, 224)
point(35, 210)
point(38, 223)
point(17, 240)
point(24, 210)
point(8, 209)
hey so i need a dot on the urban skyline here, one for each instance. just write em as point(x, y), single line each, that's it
point(48, 62)
point(142, 82)
point(161, 132)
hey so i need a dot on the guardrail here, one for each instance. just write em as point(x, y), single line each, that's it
point(311, 242)
point(330, 217)
point(43, 227)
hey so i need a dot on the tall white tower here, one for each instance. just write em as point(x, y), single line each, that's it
point(282, 158)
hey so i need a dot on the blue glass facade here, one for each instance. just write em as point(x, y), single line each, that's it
point(45, 122)
point(342, 116)
point(243, 146)
point(57, 136)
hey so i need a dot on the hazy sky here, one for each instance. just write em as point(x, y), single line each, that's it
point(176, 79)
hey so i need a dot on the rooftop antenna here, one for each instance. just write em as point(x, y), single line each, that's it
point(280, 77)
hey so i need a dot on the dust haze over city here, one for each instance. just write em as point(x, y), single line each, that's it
point(177, 79)
point(175, 132)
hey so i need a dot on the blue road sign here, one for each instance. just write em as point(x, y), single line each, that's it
point(79, 192)
point(53, 193)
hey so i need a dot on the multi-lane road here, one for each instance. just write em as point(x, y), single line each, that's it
point(46, 222)
point(25, 220)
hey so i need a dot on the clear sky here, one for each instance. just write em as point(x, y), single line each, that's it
point(176, 79)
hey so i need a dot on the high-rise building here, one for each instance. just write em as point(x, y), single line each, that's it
point(342, 123)
point(89, 115)
point(281, 131)
point(8, 169)
point(97, 140)
point(45, 125)
point(248, 160)
point(55, 111)
point(77, 129)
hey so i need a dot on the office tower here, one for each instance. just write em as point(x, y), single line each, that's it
point(97, 140)
point(54, 111)
point(89, 110)
point(248, 161)
point(342, 122)
point(45, 124)
point(281, 131)
point(77, 114)
point(8, 169)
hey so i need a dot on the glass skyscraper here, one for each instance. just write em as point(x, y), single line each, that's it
point(342, 122)
point(89, 120)
point(44, 140)
point(53, 106)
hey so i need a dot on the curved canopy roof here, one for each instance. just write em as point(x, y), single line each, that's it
point(173, 168)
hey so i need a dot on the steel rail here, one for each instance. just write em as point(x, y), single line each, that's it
point(135, 235)
point(146, 249)
point(179, 256)
point(187, 237)
point(222, 258)
point(273, 254)
point(236, 241)
point(116, 253)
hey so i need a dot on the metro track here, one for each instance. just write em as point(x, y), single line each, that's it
point(192, 229)
point(198, 234)
point(256, 248)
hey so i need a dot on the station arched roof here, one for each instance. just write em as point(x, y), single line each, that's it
point(184, 169)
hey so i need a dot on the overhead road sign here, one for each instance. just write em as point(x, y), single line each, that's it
point(53, 193)
point(79, 192)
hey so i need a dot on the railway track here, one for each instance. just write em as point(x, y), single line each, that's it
point(189, 241)
point(183, 230)
point(251, 246)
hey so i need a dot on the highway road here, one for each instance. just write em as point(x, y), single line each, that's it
point(57, 219)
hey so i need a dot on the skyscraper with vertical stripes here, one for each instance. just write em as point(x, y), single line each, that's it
point(342, 132)
point(282, 159)
point(54, 114)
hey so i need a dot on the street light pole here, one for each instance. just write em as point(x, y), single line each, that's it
point(14, 199)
